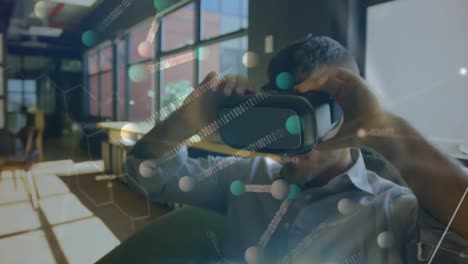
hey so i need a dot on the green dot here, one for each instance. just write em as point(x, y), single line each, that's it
point(202, 53)
point(89, 38)
point(285, 81)
point(293, 124)
point(137, 73)
point(294, 191)
point(237, 187)
point(160, 5)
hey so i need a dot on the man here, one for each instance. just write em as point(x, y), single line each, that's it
point(344, 213)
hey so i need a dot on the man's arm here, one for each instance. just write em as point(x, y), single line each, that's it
point(159, 159)
point(438, 182)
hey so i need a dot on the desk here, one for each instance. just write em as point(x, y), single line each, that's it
point(131, 131)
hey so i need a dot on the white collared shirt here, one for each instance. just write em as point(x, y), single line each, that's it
point(358, 217)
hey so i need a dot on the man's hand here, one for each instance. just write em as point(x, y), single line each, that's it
point(361, 109)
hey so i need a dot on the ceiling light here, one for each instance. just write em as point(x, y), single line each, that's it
point(45, 31)
point(463, 71)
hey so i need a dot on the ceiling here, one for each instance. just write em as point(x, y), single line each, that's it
point(37, 23)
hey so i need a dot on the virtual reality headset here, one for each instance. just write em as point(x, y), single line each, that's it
point(304, 120)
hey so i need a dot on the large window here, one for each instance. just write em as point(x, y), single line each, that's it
point(21, 93)
point(100, 81)
point(218, 45)
point(154, 75)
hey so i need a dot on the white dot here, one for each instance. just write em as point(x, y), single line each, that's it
point(254, 255)
point(144, 49)
point(109, 185)
point(186, 184)
point(147, 168)
point(463, 71)
point(40, 9)
point(250, 59)
point(127, 132)
point(346, 206)
point(131, 102)
point(385, 239)
point(361, 133)
point(280, 189)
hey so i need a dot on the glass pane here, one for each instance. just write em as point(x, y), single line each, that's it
point(121, 94)
point(93, 62)
point(121, 81)
point(30, 100)
point(223, 56)
point(106, 94)
point(137, 51)
point(176, 84)
point(36, 63)
point(94, 95)
point(121, 52)
point(70, 65)
point(141, 91)
point(15, 85)
point(29, 86)
point(178, 28)
point(106, 58)
point(15, 101)
point(219, 17)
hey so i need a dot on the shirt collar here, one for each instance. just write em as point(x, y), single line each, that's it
point(358, 172)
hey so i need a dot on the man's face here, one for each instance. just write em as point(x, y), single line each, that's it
point(310, 165)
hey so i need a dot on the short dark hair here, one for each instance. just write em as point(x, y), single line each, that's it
point(305, 56)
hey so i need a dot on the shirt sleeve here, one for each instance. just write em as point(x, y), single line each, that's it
point(427, 233)
point(205, 185)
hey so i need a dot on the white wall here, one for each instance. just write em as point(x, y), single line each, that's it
point(415, 50)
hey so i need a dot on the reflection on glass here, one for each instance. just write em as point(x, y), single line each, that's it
point(106, 58)
point(106, 94)
point(178, 28)
point(94, 95)
point(142, 94)
point(176, 84)
point(219, 17)
point(121, 81)
point(224, 56)
point(93, 62)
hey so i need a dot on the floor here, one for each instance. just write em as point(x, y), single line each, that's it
point(80, 217)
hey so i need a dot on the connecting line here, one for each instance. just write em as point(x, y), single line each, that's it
point(274, 223)
point(448, 226)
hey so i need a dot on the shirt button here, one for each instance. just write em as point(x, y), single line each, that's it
point(286, 226)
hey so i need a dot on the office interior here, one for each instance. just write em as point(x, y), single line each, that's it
point(91, 77)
